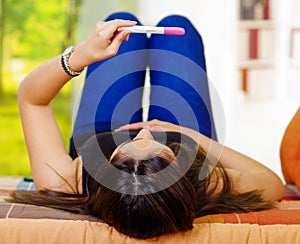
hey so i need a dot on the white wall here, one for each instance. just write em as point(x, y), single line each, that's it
point(150, 12)
point(293, 8)
point(288, 69)
point(293, 72)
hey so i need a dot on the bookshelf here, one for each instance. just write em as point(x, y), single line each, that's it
point(256, 52)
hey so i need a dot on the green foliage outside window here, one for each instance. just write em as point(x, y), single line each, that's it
point(33, 31)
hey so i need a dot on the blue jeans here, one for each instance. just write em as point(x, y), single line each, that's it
point(112, 94)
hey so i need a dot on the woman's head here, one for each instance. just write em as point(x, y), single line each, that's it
point(137, 204)
point(151, 214)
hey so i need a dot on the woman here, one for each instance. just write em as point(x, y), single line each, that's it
point(143, 178)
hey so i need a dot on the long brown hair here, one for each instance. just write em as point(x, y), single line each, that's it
point(215, 193)
point(147, 215)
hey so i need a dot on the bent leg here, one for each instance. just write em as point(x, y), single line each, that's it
point(107, 84)
point(179, 84)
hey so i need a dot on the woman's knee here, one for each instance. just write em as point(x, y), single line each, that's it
point(123, 15)
point(174, 19)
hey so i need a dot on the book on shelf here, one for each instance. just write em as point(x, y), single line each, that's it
point(253, 44)
point(257, 44)
point(254, 9)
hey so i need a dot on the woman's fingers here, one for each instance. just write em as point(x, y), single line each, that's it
point(115, 44)
point(134, 126)
point(149, 125)
point(110, 28)
point(118, 23)
point(116, 37)
point(152, 125)
point(105, 40)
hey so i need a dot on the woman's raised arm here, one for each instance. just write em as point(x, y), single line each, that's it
point(50, 162)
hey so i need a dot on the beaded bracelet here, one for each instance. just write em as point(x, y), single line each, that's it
point(65, 62)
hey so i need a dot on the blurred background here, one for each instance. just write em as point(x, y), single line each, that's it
point(252, 49)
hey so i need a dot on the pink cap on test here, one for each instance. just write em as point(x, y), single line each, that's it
point(176, 31)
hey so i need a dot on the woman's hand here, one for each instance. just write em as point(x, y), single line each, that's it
point(158, 125)
point(152, 125)
point(102, 43)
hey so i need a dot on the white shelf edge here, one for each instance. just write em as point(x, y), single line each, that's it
point(256, 24)
point(256, 64)
point(294, 63)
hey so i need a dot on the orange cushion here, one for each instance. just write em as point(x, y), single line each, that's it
point(290, 151)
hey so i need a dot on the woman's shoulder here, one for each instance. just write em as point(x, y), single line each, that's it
point(71, 179)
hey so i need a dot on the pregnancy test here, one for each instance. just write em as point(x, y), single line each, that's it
point(176, 31)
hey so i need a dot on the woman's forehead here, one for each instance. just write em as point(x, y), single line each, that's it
point(143, 148)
